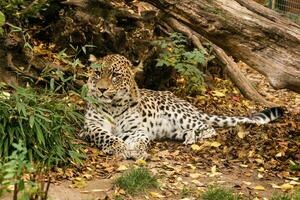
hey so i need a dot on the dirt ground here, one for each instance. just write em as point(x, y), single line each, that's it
point(234, 160)
point(253, 161)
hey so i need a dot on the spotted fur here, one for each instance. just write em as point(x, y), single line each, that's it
point(126, 119)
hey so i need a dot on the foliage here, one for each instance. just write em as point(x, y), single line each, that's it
point(136, 180)
point(2, 22)
point(174, 54)
point(297, 195)
point(43, 120)
point(12, 174)
point(281, 197)
point(22, 9)
point(295, 166)
point(218, 193)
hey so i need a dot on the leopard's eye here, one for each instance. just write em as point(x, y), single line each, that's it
point(98, 73)
point(114, 79)
point(114, 74)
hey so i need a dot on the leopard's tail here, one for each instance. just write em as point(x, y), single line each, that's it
point(263, 117)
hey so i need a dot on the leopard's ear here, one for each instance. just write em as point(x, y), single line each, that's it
point(137, 70)
point(92, 58)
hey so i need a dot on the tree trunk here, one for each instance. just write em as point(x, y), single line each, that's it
point(246, 30)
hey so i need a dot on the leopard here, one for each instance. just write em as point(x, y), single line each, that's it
point(124, 119)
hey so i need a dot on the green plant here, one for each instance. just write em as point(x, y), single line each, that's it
point(281, 197)
point(44, 121)
point(185, 192)
point(12, 174)
point(2, 22)
point(297, 195)
point(136, 180)
point(218, 193)
point(295, 166)
point(22, 9)
point(174, 54)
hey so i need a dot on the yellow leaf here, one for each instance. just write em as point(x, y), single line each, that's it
point(215, 144)
point(191, 166)
point(294, 183)
point(259, 187)
point(195, 175)
point(260, 161)
point(244, 166)
point(78, 182)
point(286, 186)
point(241, 134)
point(195, 147)
point(261, 169)
point(293, 178)
point(214, 169)
point(122, 168)
point(220, 93)
point(260, 176)
point(141, 162)
point(156, 195)
point(275, 186)
point(278, 155)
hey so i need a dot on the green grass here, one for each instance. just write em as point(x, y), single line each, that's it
point(297, 195)
point(136, 181)
point(218, 193)
point(281, 197)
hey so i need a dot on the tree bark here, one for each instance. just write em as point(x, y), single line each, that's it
point(246, 30)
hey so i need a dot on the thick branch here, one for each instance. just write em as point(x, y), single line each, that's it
point(231, 67)
point(247, 31)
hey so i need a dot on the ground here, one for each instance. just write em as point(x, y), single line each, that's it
point(254, 161)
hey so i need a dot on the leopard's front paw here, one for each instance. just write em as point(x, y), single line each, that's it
point(138, 150)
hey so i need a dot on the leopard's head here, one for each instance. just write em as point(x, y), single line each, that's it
point(112, 81)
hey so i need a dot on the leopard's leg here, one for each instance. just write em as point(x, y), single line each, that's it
point(137, 143)
point(104, 140)
point(191, 136)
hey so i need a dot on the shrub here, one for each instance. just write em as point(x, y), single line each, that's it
point(174, 53)
point(43, 120)
point(12, 174)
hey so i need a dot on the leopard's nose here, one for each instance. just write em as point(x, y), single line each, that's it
point(102, 90)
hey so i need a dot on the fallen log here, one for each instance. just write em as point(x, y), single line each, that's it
point(247, 31)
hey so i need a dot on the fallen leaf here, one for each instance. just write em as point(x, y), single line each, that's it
point(156, 195)
point(259, 187)
point(241, 134)
point(294, 183)
point(122, 168)
point(195, 147)
point(286, 187)
point(141, 162)
point(195, 175)
point(218, 93)
point(261, 169)
point(215, 144)
point(278, 155)
point(260, 161)
point(293, 178)
point(244, 166)
point(78, 182)
point(247, 183)
point(198, 183)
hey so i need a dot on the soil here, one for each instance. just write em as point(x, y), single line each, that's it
point(185, 173)
point(252, 161)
